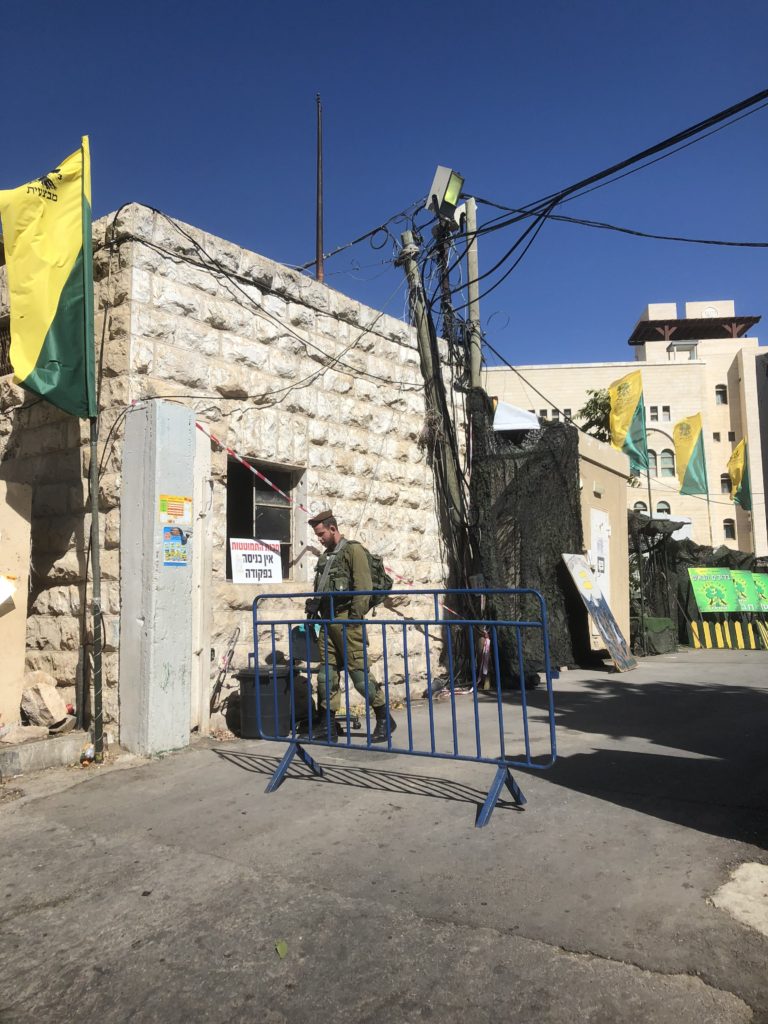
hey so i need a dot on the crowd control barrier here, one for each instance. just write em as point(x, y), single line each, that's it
point(453, 682)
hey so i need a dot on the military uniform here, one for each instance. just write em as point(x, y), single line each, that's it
point(349, 571)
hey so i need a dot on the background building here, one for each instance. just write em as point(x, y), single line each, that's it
point(704, 362)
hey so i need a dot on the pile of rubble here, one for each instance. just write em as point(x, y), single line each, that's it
point(43, 712)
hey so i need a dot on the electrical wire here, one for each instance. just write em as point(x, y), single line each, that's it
point(632, 231)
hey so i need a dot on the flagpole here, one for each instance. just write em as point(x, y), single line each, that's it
point(709, 516)
point(98, 714)
point(98, 718)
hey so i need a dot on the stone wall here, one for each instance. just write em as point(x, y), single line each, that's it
point(280, 368)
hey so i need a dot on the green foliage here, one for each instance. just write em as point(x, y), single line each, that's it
point(595, 414)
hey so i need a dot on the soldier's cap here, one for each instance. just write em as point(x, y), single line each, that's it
point(321, 517)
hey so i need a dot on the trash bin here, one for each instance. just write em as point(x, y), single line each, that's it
point(275, 696)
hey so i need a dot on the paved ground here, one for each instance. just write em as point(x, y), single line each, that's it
point(158, 893)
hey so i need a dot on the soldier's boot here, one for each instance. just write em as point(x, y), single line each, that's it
point(379, 734)
point(320, 727)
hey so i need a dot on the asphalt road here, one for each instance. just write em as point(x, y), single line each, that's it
point(158, 892)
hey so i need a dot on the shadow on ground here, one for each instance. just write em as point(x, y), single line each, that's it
point(384, 781)
point(712, 773)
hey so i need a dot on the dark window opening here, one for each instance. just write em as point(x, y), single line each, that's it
point(715, 435)
point(731, 435)
point(729, 529)
point(256, 511)
point(721, 395)
point(725, 483)
point(5, 346)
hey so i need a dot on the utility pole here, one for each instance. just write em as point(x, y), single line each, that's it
point(319, 269)
point(429, 372)
point(473, 290)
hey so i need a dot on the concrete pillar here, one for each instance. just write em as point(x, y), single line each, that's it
point(156, 546)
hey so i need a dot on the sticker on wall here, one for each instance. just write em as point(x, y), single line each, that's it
point(175, 510)
point(175, 546)
point(256, 561)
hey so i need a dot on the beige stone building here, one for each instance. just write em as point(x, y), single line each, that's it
point(321, 394)
point(704, 362)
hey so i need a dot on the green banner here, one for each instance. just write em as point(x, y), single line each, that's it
point(746, 591)
point(714, 590)
point(760, 579)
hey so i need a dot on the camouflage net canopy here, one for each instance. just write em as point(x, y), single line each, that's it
point(659, 573)
point(526, 513)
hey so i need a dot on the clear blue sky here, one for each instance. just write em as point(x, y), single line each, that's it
point(207, 111)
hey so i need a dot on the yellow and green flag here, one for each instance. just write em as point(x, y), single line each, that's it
point(689, 455)
point(628, 420)
point(47, 235)
point(738, 471)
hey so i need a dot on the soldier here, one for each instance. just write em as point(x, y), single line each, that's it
point(343, 566)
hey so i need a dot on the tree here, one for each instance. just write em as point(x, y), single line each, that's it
point(596, 414)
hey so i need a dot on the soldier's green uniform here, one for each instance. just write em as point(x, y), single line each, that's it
point(349, 571)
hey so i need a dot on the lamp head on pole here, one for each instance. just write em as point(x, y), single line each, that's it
point(443, 197)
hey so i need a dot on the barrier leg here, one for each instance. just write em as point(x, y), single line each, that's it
point(503, 778)
point(282, 768)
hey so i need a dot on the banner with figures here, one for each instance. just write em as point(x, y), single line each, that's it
point(732, 605)
point(713, 590)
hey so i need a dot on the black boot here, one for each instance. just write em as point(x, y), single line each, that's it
point(320, 728)
point(379, 734)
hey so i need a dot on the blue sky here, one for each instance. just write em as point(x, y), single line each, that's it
point(207, 112)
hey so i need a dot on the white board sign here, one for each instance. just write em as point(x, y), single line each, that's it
point(255, 561)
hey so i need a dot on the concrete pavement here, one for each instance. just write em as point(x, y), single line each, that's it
point(157, 893)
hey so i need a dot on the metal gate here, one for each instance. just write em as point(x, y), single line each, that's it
point(455, 684)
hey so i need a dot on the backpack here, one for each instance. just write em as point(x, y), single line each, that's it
point(381, 581)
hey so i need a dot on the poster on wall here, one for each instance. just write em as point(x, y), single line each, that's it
point(175, 546)
point(746, 591)
point(713, 590)
point(255, 561)
point(760, 579)
point(599, 612)
point(174, 510)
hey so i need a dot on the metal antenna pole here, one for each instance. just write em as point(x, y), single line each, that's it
point(319, 270)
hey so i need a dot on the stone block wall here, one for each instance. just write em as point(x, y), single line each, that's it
point(280, 368)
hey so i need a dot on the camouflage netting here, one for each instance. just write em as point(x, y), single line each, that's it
point(664, 563)
point(526, 513)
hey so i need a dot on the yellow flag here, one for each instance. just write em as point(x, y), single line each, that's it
point(47, 235)
point(628, 419)
point(738, 471)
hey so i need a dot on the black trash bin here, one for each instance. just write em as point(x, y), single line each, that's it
point(275, 696)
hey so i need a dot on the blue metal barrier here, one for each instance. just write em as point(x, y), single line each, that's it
point(489, 729)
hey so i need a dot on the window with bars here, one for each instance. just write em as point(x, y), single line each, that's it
point(255, 511)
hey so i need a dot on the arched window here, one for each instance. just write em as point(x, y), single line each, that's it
point(729, 529)
point(721, 395)
point(651, 462)
point(663, 507)
point(667, 462)
point(725, 483)
point(640, 506)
